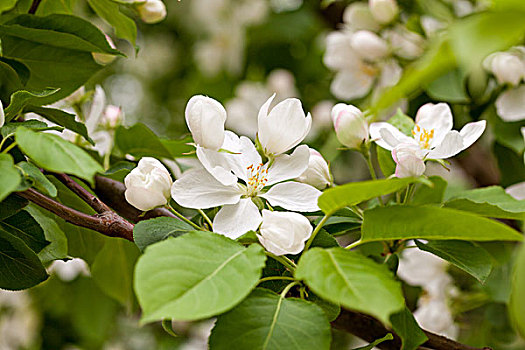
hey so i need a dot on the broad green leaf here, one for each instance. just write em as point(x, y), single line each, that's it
point(9, 82)
point(354, 193)
point(510, 164)
point(48, 7)
point(140, 141)
point(331, 310)
point(57, 249)
point(351, 280)
point(12, 205)
point(490, 201)
point(158, 229)
point(40, 182)
point(406, 327)
point(449, 87)
point(20, 267)
point(470, 258)
point(266, 320)
point(55, 154)
point(6, 5)
point(386, 163)
point(430, 194)
point(22, 98)
point(61, 118)
point(178, 148)
point(20, 69)
point(109, 11)
point(117, 281)
point(33, 124)
point(194, 276)
point(9, 176)
point(517, 302)
point(25, 227)
point(119, 170)
point(428, 222)
point(373, 344)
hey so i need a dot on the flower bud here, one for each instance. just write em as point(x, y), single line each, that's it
point(148, 185)
point(112, 116)
point(384, 11)
point(408, 163)
point(404, 43)
point(205, 118)
point(350, 126)
point(507, 67)
point(284, 232)
point(317, 174)
point(152, 11)
point(369, 45)
point(104, 58)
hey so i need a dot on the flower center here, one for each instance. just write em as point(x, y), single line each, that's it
point(256, 179)
point(423, 136)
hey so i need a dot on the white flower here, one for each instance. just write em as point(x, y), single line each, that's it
point(431, 25)
point(404, 43)
point(510, 105)
point(70, 269)
point(283, 232)
point(318, 173)
point(368, 45)
point(205, 118)
point(2, 115)
point(350, 126)
point(152, 11)
point(112, 116)
point(384, 11)
point(357, 16)
point(104, 58)
point(432, 135)
point(507, 67)
point(282, 128)
point(200, 189)
point(408, 163)
point(148, 185)
point(516, 191)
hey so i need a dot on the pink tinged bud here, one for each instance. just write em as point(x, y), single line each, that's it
point(350, 126)
point(113, 116)
point(508, 68)
point(152, 11)
point(318, 173)
point(384, 11)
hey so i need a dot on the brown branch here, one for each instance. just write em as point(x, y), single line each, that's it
point(108, 223)
point(34, 6)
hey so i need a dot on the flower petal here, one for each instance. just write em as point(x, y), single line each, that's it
point(293, 196)
point(471, 132)
point(352, 83)
point(286, 167)
point(143, 198)
point(98, 103)
point(437, 117)
point(452, 144)
point(510, 104)
point(388, 136)
point(217, 164)
point(408, 163)
point(339, 53)
point(198, 189)
point(235, 220)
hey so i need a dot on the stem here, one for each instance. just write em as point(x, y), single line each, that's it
point(316, 231)
point(283, 260)
point(275, 278)
point(409, 192)
point(183, 218)
point(288, 287)
point(368, 158)
point(166, 325)
point(203, 214)
point(5, 139)
point(34, 7)
point(353, 245)
point(10, 147)
point(357, 211)
point(84, 194)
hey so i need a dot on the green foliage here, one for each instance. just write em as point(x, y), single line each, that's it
point(196, 275)
point(36, 125)
point(39, 180)
point(154, 230)
point(9, 176)
point(517, 303)
point(140, 141)
point(430, 194)
point(351, 280)
point(22, 98)
point(406, 327)
point(373, 344)
point(449, 87)
point(12, 205)
point(125, 28)
point(25, 227)
point(57, 248)
point(266, 320)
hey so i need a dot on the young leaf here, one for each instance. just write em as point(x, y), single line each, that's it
point(352, 280)
point(140, 141)
point(266, 320)
point(9, 176)
point(57, 249)
point(22, 98)
point(108, 10)
point(25, 227)
point(158, 229)
point(194, 276)
point(373, 344)
point(406, 327)
point(408, 222)
point(33, 124)
point(40, 181)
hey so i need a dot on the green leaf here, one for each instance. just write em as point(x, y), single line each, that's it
point(517, 302)
point(406, 327)
point(158, 229)
point(511, 165)
point(140, 141)
point(20, 268)
point(194, 276)
point(178, 148)
point(370, 346)
point(55, 154)
point(57, 249)
point(117, 281)
point(22, 98)
point(39, 180)
point(266, 320)
point(427, 222)
point(351, 280)
point(125, 28)
point(449, 87)
point(9, 176)
point(9, 82)
point(61, 118)
point(12, 205)
point(354, 193)
point(472, 259)
point(430, 194)
point(403, 122)
point(386, 163)
point(48, 7)
point(25, 227)
point(490, 201)
point(33, 124)
point(6, 5)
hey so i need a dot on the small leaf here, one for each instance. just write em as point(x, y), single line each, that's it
point(370, 346)
point(57, 249)
point(36, 125)
point(140, 141)
point(125, 28)
point(22, 98)
point(9, 176)
point(40, 181)
point(406, 327)
point(402, 122)
point(158, 229)
point(178, 148)
point(449, 87)
point(266, 320)
point(25, 227)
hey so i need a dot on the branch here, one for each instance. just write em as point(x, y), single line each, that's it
point(108, 223)
point(34, 6)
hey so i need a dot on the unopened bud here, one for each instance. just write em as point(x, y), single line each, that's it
point(152, 11)
point(350, 126)
point(318, 173)
point(507, 67)
point(369, 45)
point(384, 11)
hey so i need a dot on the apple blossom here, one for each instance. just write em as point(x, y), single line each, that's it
point(432, 135)
point(408, 163)
point(318, 173)
point(507, 67)
point(205, 118)
point(284, 232)
point(369, 45)
point(200, 189)
point(148, 185)
point(357, 16)
point(510, 104)
point(384, 11)
point(405, 43)
point(2, 115)
point(152, 11)
point(282, 128)
point(350, 126)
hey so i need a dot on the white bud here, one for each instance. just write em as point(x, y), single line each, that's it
point(318, 173)
point(369, 45)
point(205, 118)
point(152, 11)
point(104, 58)
point(148, 185)
point(384, 11)
point(112, 116)
point(350, 126)
point(284, 232)
point(408, 162)
point(508, 68)
point(404, 43)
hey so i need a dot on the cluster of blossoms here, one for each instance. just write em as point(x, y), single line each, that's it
point(242, 178)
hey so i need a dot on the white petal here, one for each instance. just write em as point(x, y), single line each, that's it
point(339, 53)
point(471, 132)
point(199, 190)
point(2, 115)
point(216, 163)
point(293, 196)
point(235, 220)
point(286, 167)
point(452, 144)
point(510, 104)
point(388, 136)
point(391, 72)
point(352, 83)
point(517, 191)
point(143, 198)
point(205, 118)
point(284, 232)
point(98, 103)
point(408, 162)
point(437, 117)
